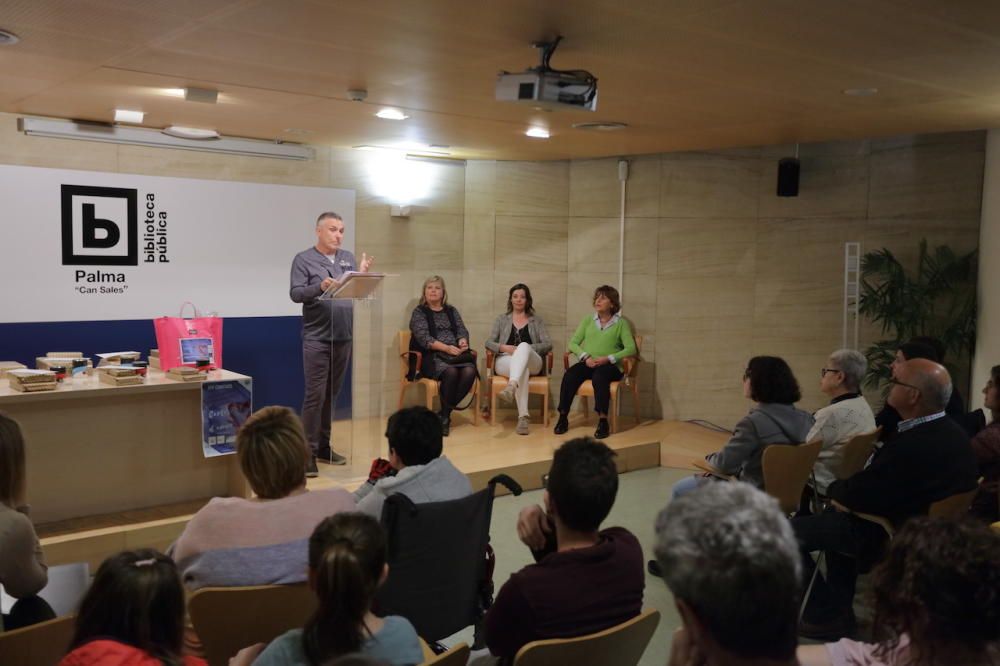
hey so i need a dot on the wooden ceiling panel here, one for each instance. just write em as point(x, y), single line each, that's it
point(684, 74)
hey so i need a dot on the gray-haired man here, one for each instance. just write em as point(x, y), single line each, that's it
point(731, 560)
point(327, 327)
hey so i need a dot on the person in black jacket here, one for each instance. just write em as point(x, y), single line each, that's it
point(928, 460)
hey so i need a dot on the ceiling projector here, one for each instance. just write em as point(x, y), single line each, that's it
point(547, 88)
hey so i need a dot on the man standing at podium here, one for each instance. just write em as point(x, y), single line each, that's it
point(326, 331)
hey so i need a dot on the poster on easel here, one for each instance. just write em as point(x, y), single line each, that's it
point(225, 407)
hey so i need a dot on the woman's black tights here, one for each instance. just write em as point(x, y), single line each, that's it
point(455, 385)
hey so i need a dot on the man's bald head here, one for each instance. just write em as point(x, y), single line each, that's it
point(923, 387)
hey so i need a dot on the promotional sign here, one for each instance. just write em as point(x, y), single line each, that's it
point(225, 406)
point(87, 245)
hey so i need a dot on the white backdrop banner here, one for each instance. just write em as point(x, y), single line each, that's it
point(86, 245)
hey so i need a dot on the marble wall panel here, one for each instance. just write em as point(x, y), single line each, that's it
point(927, 180)
point(700, 185)
point(594, 244)
point(437, 241)
point(390, 239)
point(691, 305)
point(594, 188)
point(480, 187)
point(709, 247)
point(478, 241)
point(532, 243)
point(532, 188)
point(642, 194)
point(548, 292)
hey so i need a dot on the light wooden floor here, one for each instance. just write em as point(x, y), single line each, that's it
point(480, 451)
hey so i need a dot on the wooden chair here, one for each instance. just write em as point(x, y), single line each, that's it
point(621, 645)
point(786, 469)
point(228, 619)
point(42, 644)
point(537, 385)
point(458, 655)
point(953, 506)
point(854, 454)
point(630, 380)
point(430, 385)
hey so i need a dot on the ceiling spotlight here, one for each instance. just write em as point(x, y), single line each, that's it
point(174, 92)
point(392, 114)
point(8, 38)
point(537, 133)
point(190, 133)
point(861, 92)
point(125, 116)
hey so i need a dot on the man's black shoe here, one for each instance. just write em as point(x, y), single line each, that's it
point(653, 567)
point(562, 425)
point(445, 425)
point(603, 429)
point(331, 457)
point(311, 470)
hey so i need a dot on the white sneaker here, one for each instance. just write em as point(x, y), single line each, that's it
point(522, 425)
point(507, 394)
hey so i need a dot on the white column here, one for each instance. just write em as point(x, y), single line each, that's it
point(988, 331)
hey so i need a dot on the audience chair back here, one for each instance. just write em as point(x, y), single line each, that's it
point(458, 655)
point(537, 385)
point(438, 574)
point(42, 644)
point(228, 619)
point(786, 469)
point(430, 385)
point(630, 380)
point(955, 506)
point(621, 645)
point(855, 453)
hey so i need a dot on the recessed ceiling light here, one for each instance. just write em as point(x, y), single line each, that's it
point(126, 116)
point(861, 92)
point(392, 114)
point(600, 126)
point(8, 38)
point(190, 133)
point(537, 133)
point(174, 92)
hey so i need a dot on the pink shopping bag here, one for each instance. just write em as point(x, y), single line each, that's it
point(185, 341)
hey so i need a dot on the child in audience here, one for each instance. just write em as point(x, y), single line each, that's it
point(347, 563)
point(132, 615)
point(937, 601)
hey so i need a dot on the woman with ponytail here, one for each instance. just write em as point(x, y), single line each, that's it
point(347, 554)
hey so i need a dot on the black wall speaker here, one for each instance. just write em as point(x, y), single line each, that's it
point(788, 177)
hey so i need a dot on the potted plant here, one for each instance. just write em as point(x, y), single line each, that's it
point(938, 300)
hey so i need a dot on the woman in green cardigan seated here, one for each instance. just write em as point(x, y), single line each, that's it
point(601, 342)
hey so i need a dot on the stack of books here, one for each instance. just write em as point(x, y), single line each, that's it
point(154, 358)
point(118, 376)
point(7, 366)
point(29, 381)
point(183, 373)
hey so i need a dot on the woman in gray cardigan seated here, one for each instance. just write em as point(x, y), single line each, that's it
point(521, 342)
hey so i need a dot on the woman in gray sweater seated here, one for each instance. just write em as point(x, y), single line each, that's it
point(521, 342)
point(774, 419)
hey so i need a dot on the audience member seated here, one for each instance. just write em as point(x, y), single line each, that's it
point(440, 334)
point(730, 559)
point(347, 563)
point(601, 342)
point(930, 459)
point(586, 579)
point(133, 614)
point(937, 601)
point(521, 342)
point(986, 447)
point(927, 348)
point(847, 415)
point(774, 419)
point(22, 565)
point(415, 467)
point(233, 541)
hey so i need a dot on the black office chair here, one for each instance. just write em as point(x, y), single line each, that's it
point(440, 562)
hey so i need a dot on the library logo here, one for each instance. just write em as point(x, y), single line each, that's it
point(99, 226)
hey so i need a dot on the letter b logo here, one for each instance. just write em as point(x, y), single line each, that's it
point(99, 226)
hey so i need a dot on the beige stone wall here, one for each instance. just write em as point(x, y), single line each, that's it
point(717, 268)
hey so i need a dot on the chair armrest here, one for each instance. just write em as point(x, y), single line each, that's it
point(490, 359)
point(565, 360)
point(706, 466)
point(419, 355)
point(871, 518)
point(548, 362)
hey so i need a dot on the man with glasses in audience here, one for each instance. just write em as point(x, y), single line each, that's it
point(929, 459)
point(585, 579)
